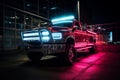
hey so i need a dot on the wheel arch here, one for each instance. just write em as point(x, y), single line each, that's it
point(70, 40)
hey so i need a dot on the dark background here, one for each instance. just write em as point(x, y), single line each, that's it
point(95, 11)
point(99, 11)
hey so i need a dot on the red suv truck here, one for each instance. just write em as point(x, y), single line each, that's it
point(65, 37)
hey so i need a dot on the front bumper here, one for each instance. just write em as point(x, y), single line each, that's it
point(47, 48)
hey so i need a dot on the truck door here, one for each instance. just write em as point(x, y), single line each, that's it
point(79, 36)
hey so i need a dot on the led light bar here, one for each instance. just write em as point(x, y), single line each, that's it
point(63, 22)
point(31, 38)
point(63, 18)
point(45, 33)
point(30, 34)
point(45, 38)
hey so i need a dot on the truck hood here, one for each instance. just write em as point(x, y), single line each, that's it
point(55, 28)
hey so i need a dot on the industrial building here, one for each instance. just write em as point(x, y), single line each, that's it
point(17, 15)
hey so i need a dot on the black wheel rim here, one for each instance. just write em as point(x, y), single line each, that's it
point(71, 55)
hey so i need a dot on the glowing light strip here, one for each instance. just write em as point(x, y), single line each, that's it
point(62, 22)
point(30, 34)
point(45, 33)
point(46, 38)
point(111, 36)
point(63, 18)
point(31, 38)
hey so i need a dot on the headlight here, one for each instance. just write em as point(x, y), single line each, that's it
point(45, 35)
point(57, 35)
point(30, 34)
point(45, 38)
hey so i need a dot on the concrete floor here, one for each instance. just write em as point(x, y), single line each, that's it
point(103, 65)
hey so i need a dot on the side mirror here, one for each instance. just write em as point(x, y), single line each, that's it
point(94, 40)
point(73, 29)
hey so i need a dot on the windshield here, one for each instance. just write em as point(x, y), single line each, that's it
point(42, 24)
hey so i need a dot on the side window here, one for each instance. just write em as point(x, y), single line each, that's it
point(91, 39)
point(77, 26)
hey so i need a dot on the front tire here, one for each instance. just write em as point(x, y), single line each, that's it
point(93, 49)
point(70, 54)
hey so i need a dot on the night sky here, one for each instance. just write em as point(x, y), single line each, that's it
point(98, 11)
